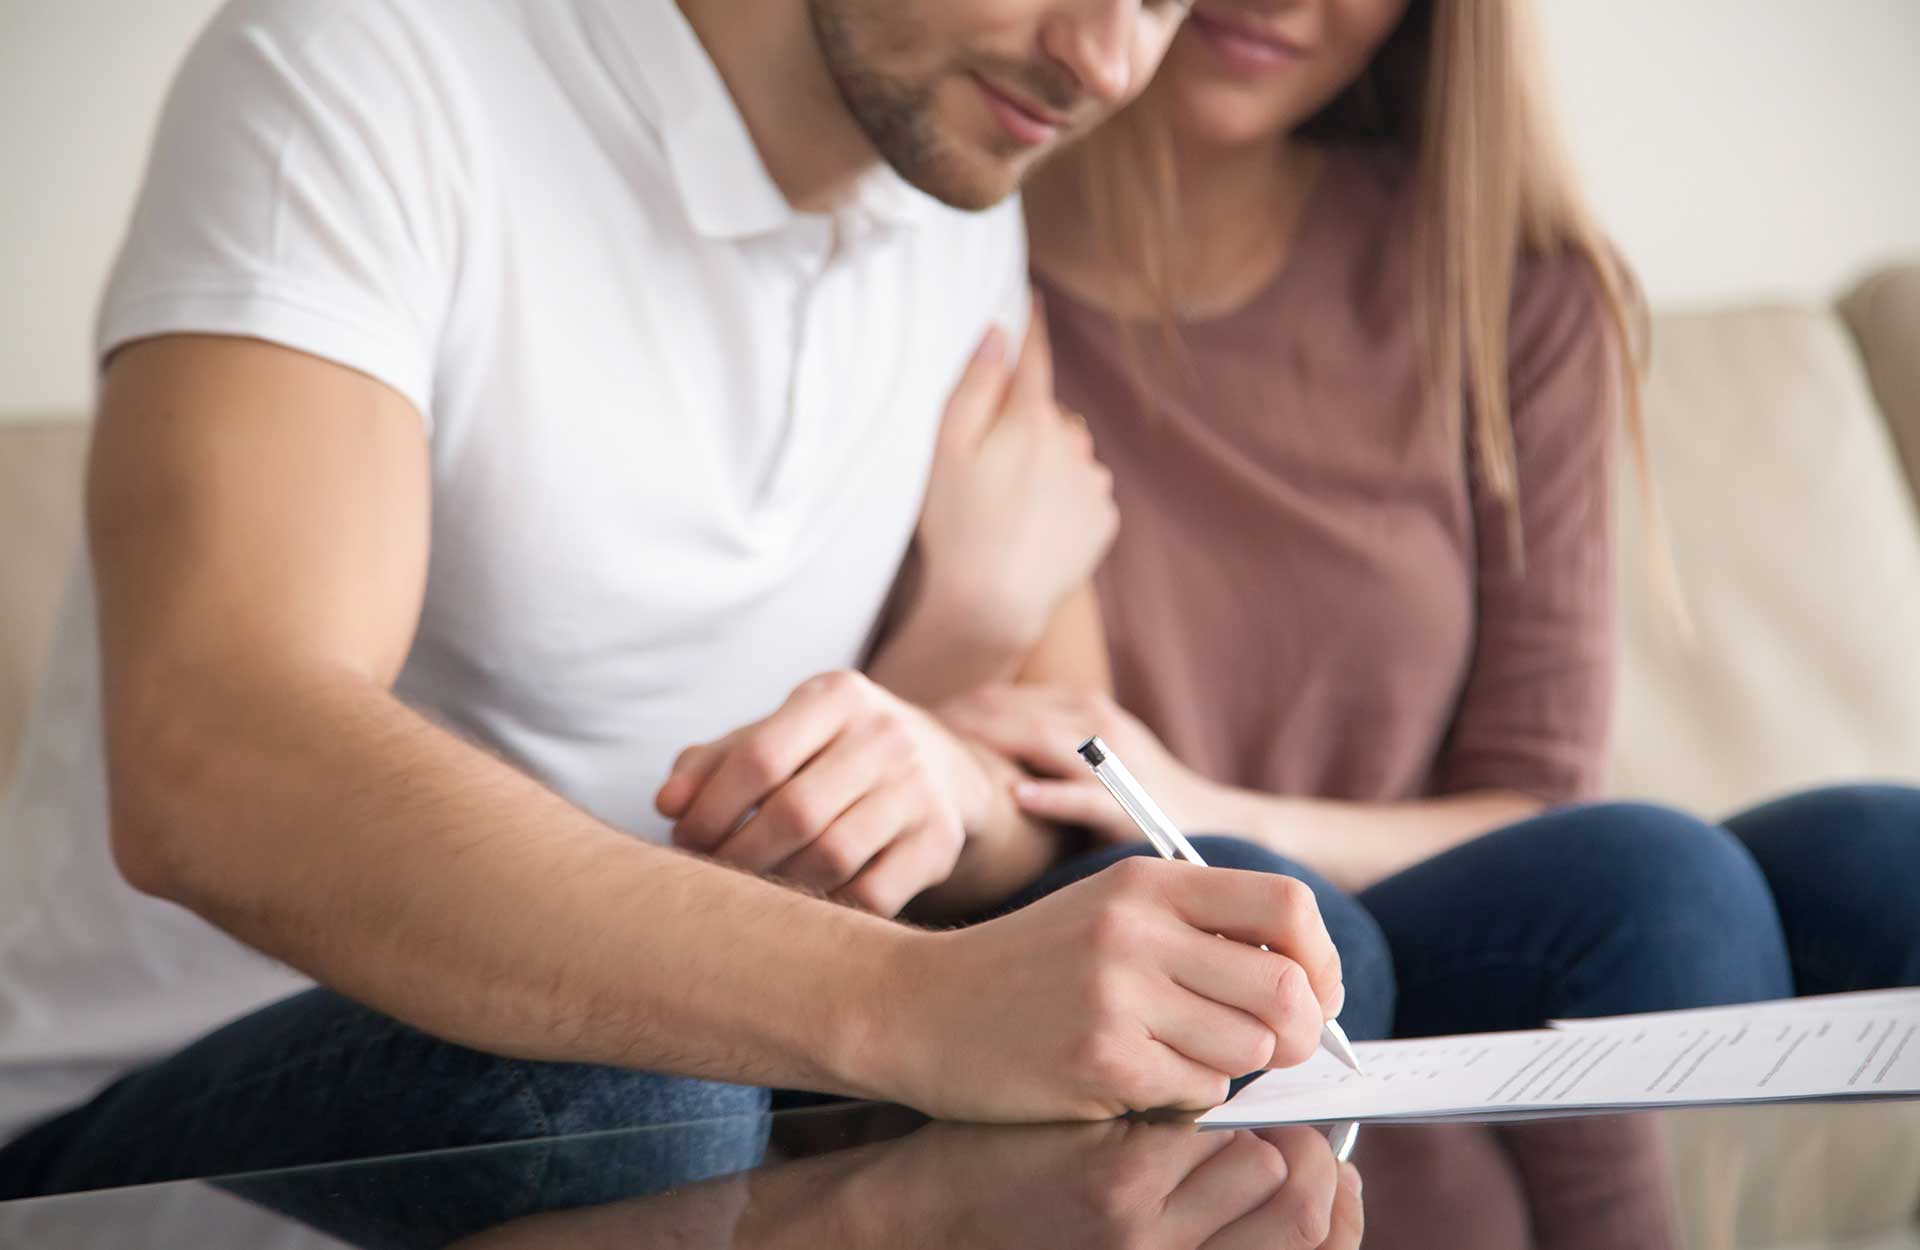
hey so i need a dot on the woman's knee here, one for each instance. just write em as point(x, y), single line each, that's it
point(1682, 891)
point(1366, 961)
point(1662, 868)
point(1843, 865)
point(1837, 824)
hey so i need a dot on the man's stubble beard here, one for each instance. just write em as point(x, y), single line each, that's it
point(896, 116)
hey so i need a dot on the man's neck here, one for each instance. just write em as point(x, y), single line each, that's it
point(770, 59)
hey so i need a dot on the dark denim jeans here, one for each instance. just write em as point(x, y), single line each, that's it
point(1584, 911)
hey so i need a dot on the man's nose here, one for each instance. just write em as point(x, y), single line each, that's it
point(1093, 40)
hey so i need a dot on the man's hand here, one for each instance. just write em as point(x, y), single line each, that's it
point(1041, 727)
point(1102, 1187)
point(1116, 994)
point(1049, 1187)
point(846, 789)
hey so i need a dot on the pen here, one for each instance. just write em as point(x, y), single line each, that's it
point(1172, 844)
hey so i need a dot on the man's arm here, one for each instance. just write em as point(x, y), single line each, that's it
point(259, 525)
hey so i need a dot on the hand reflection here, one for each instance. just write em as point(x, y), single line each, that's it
point(1109, 1186)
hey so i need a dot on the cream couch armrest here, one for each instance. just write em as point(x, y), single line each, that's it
point(1884, 314)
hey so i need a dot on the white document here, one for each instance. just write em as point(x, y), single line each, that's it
point(1845, 1046)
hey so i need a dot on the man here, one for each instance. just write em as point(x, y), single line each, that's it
point(498, 399)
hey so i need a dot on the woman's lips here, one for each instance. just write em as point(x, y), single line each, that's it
point(1243, 48)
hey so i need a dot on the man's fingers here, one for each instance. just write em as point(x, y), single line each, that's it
point(908, 865)
point(757, 761)
point(802, 807)
point(1261, 909)
point(838, 855)
point(975, 400)
point(1299, 1214)
point(690, 772)
point(1224, 1038)
point(1237, 1180)
point(1268, 988)
point(1177, 1083)
point(1349, 1212)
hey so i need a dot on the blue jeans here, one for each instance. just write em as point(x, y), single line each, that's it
point(1622, 907)
point(1590, 910)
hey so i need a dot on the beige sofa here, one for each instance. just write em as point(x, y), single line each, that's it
point(1786, 443)
point(1787, 446)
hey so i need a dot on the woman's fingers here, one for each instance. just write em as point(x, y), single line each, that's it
point(1083, 803)
point(975, 400)
point(1031, 387)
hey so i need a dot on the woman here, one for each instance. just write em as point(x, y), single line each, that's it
point(1355, 356)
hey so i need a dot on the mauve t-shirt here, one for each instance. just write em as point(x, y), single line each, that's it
point(1311, 593)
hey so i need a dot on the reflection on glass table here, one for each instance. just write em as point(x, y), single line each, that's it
point(861, 1175)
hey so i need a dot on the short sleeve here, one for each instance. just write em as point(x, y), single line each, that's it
point(303, 189)
point(1535, 711)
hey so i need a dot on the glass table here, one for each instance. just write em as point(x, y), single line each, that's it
point(867, 1175)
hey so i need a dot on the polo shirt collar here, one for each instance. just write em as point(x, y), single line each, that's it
point(716, 167)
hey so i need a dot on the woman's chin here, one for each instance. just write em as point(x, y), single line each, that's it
point(1220, 117)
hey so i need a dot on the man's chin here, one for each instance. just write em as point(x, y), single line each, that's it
point(973, 185)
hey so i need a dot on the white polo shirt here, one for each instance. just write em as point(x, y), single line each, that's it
point(679, 432)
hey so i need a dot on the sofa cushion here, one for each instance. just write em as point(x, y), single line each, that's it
point(1799, 559)
point(40, 471)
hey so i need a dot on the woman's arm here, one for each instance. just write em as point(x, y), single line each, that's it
point(1353, 845)
point(1018, 512)
point(1356, 845)
point(1073, 651)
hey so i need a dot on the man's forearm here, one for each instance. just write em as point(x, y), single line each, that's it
point(335, 829)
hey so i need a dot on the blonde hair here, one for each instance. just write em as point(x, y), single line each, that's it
point(1456, 86)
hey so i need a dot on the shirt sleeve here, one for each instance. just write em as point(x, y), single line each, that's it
point(303, 189)
point(1535, 712)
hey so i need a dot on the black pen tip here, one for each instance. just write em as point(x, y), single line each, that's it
point(1094, 752)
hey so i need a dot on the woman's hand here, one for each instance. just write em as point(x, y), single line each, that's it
point(1042, 728)
point(1018, 511)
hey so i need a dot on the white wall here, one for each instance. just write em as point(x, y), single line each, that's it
point(1734, 146)
point(80, 86)
point(1737, 147)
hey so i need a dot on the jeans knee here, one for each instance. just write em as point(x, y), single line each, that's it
point(1877, 822)
point(1683, 892)
point(1843, 864)
point(1669, 872)
point(1366, 961)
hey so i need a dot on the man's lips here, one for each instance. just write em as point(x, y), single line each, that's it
point(1027, 122)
